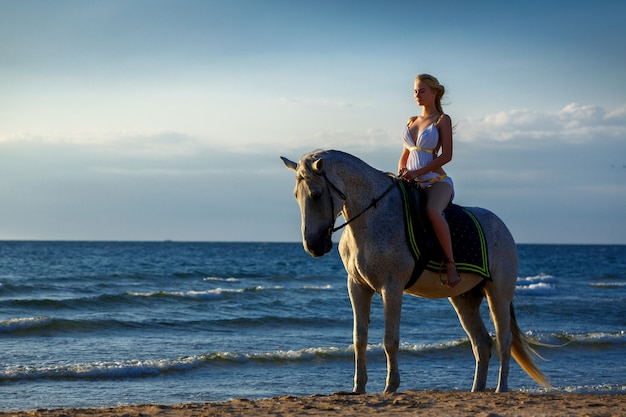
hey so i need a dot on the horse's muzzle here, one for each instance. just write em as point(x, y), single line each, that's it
point(318, 244)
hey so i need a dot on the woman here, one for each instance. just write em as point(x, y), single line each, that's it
point(423, 137)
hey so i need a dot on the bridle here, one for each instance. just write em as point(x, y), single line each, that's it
point(342, 195)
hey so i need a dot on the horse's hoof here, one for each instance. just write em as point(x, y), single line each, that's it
point(389, 390)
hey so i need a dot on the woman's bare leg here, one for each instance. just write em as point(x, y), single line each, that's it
point(438, 197)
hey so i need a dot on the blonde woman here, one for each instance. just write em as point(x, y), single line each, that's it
point(424, 136)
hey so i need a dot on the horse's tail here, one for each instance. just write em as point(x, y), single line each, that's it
point(524, 354)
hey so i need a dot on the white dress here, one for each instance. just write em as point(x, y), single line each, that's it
point(421, 152)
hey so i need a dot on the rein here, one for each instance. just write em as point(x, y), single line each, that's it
point(375, 201)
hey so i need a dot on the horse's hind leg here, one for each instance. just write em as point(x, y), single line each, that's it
point(501, 317)
point(468, 310)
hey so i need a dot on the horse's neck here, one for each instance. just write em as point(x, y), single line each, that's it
point(363, 185)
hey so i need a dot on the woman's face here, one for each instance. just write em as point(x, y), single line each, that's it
point(423, 93)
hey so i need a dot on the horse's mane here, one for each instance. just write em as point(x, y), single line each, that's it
point(307, 159)
point(330, 155)
point(306, 164)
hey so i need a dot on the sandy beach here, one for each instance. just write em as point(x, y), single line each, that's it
point(409, 403)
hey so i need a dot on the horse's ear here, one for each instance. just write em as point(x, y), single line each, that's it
point(289, 164)
point(318, 166)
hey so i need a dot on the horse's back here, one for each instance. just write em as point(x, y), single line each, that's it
point(493, 227)
point(501, 247)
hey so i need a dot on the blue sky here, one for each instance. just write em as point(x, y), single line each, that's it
point(151, 119)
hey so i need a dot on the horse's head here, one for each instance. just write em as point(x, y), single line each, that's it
point(320, 202)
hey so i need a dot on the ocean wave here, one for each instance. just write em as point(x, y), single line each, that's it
point(205, 294)
point(434, 347)
point(542, 284)
point(195, 295)
point(579, 389)
point(598, 338)
point(24, 323)
point(536, 278)
point(100, 370)
point(153, 367)
point(44, 325)
point(583, 339)
point(143, 368)
point(291, 355)
point(317, 287)
point(220, 279)
point(129, 296)
point(593, 389)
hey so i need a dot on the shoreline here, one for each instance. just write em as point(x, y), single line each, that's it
point(409, 403)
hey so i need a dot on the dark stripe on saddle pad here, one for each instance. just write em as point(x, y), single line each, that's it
point(468, 241)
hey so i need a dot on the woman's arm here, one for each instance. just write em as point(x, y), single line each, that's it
point(402, 162)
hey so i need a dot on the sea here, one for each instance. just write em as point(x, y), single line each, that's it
point(98, 324)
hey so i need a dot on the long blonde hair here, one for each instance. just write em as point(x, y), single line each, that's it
point(434, 84)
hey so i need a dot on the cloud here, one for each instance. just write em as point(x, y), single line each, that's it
point(575, 123)
point(154, 184)
point(617, 114)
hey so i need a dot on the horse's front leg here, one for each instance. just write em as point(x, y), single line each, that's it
point(392, 306)
point(361, 299)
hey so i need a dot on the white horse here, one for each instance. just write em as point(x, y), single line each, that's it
point(378, 260)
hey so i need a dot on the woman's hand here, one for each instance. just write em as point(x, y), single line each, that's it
point(407, 175)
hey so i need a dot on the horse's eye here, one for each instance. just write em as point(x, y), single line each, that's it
point(316, 195)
